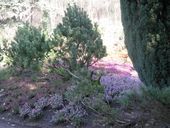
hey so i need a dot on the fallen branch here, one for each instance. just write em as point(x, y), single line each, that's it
point(66, 71)
point(91, 108)
point(72, 74)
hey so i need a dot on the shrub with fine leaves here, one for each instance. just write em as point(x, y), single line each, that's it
point(77, 39)
point(29, 48)
point(1, 55)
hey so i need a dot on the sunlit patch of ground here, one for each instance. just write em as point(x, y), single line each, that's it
point(16, 90)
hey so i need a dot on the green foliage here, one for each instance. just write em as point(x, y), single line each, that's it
point(15, 110)
point(90, 94)
point(130, 97)
point(2, 109)
point(62, 72)
point(125, 101)
point(77, 122)
point(29, 48)
point(83, 87)
point(147, 29)
point(5, 73)
point(147, 95)
point(161, 95)
point(78, 40)
point(97, 104)
point(1, 54)
point(103, 112)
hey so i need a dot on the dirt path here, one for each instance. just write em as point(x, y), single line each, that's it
point(10, 124)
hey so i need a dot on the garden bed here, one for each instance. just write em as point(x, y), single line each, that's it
point(31, 89)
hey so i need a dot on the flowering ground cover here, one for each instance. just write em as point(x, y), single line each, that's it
point(116, 76)
point(28, 97)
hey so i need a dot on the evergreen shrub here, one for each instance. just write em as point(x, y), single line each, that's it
point(78, 40)
point(1, 54)
point(147, 37)
point(28, 49)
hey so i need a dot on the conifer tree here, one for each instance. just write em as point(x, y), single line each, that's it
point(147, 37)
point(79, 41)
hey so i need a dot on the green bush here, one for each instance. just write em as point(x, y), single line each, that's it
point(83, 86)
point(5, 73)
point(90, 94)
point(29, 48)
point(147, 29)
point(161, 95)
point(1, 54)
point(78, 40)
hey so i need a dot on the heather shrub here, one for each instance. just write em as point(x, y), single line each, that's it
point(24, 110)
point(56, 101)
point(74, 113)
point(77, 40)
point(28, 49)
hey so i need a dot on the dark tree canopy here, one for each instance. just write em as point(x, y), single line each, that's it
point(147, 37)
